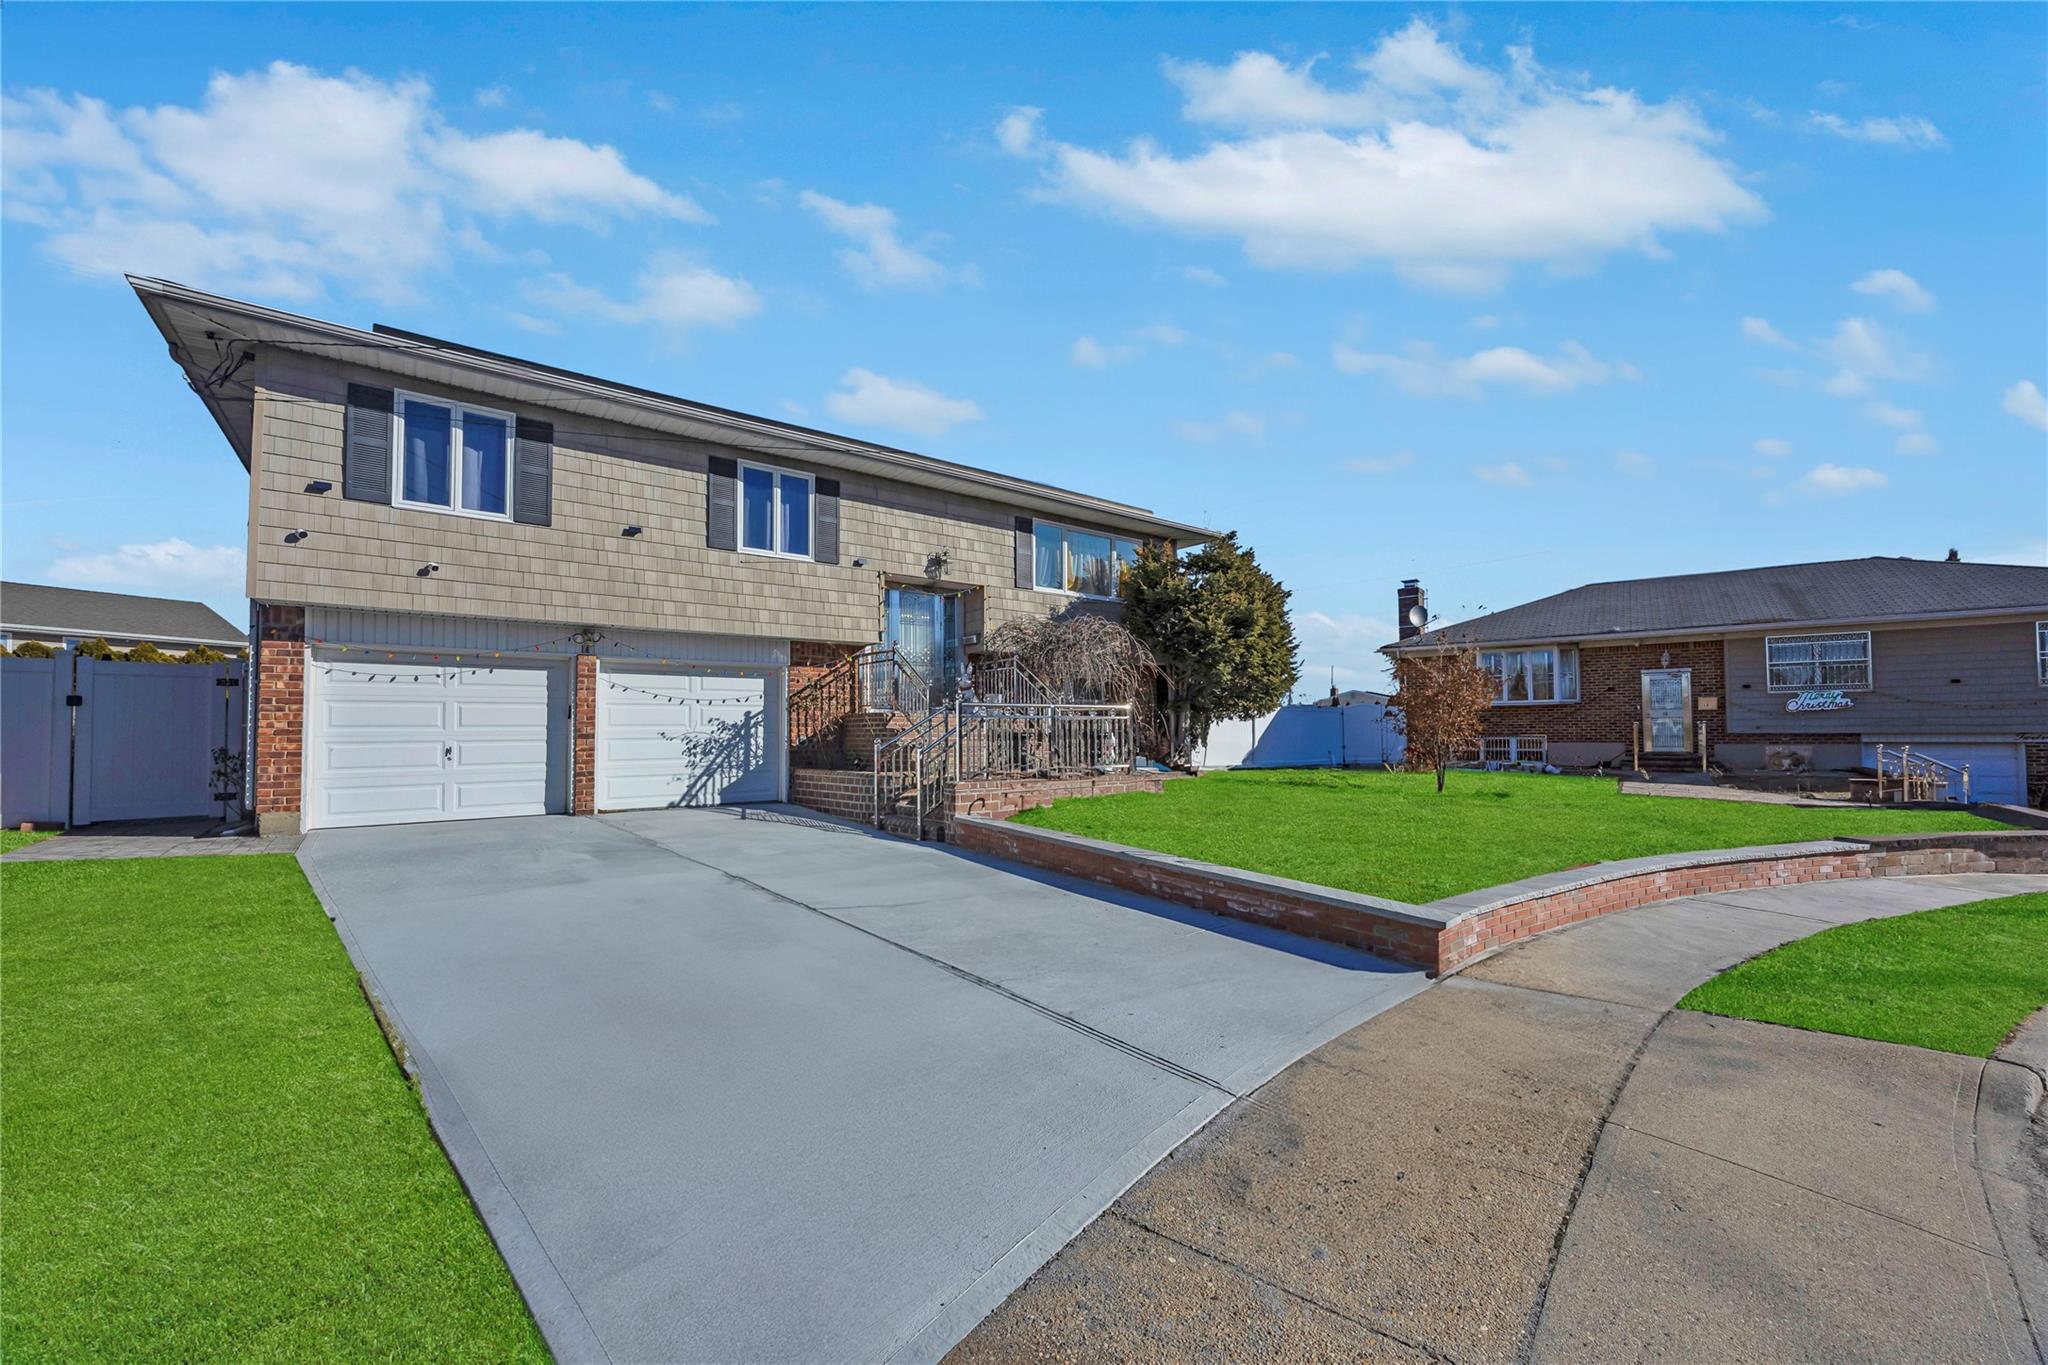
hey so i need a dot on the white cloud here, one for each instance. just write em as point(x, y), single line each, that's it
point(1091, 354)
point(491, 97)
point(1371, 464)
point(1635, 463)
point(870, 399)
point(1906, 130)
point(1891, 416)
point(1276, 360)
point(1202, 274)
point(1017, 131)
point(2026, 402)
point(1772, 447)
point(1916, 443)
point(1834, 480)
point(1508, 475)
point(1230, 424)
point(1420, 369)
point(284, 179)
point(672, 294)
point(172, 563)
point(554, 179)
point(1451, 172)
point(1164, 333)
point(1346, 643)
point(1760, 331)
point(879, 258)
point(1907, 294)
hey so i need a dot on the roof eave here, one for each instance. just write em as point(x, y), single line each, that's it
point(1736, 628)
point(738, 429)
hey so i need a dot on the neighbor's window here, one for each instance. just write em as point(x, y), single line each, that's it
point(1534, 675)
point(1083, 562)
point(2041, 651)
point(775, 511)
point(453, 457)
point(1798, 662)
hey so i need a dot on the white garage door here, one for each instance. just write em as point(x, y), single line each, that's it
point(670, 738)
point(1998, 772)
point(402, 741)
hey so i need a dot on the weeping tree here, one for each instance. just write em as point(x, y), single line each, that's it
point(1217, 625)
point(1080, 656)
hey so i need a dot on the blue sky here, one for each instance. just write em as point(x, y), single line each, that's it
point(1507, 298)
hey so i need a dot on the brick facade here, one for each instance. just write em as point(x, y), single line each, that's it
point(583, 739)
point(835, 791)
point(278, 772)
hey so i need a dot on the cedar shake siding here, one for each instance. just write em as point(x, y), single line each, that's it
point(574, 564)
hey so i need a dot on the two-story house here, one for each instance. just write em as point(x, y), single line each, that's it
point(482, 586)
point(1787, 667)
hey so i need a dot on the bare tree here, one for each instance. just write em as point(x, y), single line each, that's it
point(1081, 656)
point(1440, 704)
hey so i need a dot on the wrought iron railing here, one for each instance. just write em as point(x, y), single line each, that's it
point(1920, 777)
point(877, 678)
point(1006, 680)
point(1056, 739)
point(913, 775)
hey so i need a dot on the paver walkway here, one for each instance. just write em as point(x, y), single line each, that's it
point(1539, 1158)
point(180, 838)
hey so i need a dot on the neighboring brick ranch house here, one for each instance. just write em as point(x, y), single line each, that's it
point(483, 586)
point(1793, 666)
point(63, 617)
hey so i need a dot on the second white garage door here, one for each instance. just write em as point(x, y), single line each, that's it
point(409, 740)
point(670, 738)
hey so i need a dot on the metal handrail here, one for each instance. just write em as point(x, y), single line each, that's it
point(1006, 680)
point(1921, 777)
point(877, 678)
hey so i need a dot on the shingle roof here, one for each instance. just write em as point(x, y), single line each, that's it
point(1844, 590)
point(76, 611)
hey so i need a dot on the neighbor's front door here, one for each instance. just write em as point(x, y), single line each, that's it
point(1667, 710)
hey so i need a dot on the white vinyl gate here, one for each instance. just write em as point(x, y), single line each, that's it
point(666, 737)
point(143, 744)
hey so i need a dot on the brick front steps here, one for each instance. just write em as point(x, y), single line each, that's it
point(1451, 933)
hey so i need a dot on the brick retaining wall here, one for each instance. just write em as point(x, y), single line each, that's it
point(1450, 933)
point(1001, 797)
point(835, 791)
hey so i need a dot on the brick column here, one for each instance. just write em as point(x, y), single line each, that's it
point(583, 762)
point(280, 697)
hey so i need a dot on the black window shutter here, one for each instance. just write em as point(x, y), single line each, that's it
point(722, 505)
point(366, 445)
point(533, 473)
point(825, 508)
point(1027, 554)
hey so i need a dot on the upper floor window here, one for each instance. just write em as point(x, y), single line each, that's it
point(1798, 662)
point(2041, 651)
point(1083, 562)
point(775, 511)
point(1534, 675)
point(452, 457)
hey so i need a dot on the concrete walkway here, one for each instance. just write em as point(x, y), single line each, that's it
point(755, 1085)
point(1538, 1158)
point(189, 837)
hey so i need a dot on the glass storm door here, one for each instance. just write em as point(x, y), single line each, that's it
point(1667, 710)
point(925, 627)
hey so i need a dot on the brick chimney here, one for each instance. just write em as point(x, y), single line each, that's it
point(1410, 596)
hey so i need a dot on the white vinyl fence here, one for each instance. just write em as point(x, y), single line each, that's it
point(138, 744)
point(1357, 736)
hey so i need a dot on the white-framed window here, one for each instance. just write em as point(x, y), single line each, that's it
point(451, 457)
point(1083, 563)
point(2041, 651)
point(1795, 663)
point(1532, 677)
point(775, 512)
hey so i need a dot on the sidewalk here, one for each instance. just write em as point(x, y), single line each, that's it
point(181, 838)
point(1413, 1190)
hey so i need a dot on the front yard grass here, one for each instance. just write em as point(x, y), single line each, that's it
point(1394, 835)
point(11, 839)
point(209, 1152)
point(1957, 979)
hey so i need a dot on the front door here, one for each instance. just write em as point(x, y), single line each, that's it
point(925, 627)
point(1667, 710)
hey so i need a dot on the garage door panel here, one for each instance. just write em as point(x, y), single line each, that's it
point(441, 742)
point(668, 739)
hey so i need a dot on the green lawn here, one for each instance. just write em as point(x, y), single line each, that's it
point(1393, 834)
point(209, 1152)
point(1956, 980)
point(11, 839)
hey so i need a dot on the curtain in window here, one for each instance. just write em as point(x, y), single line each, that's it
point(483, 463)
point(1049, 563)
point(426, 454)
point(1088, 564)
point(757, 514)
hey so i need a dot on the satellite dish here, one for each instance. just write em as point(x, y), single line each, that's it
point(1417, 617)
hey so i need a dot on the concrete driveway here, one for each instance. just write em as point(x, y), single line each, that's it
point(753, 1085)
